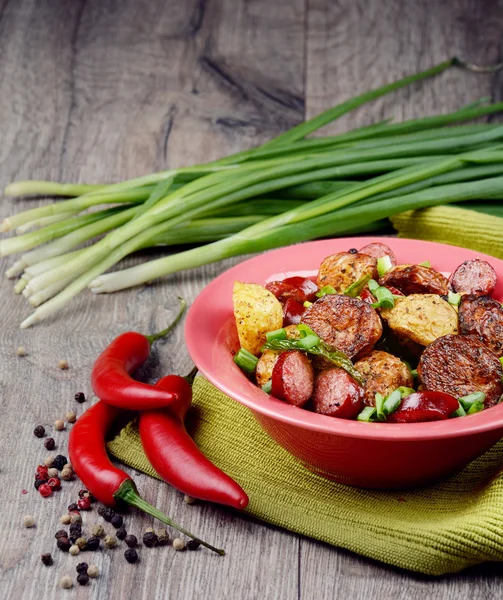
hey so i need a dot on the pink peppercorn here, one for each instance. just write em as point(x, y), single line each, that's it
point(42, 472)
point(55, 483)
point(45, 490)
point(84, 504)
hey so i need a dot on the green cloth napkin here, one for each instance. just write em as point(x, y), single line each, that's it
point(435, 530)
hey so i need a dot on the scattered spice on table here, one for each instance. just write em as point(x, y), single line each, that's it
point(74, 550)
point(81, 543)
point(28, 521)
point(98, 531)
point(117, 521)
point(45, 490)
point(110, 541)
point(193, 545)
point(46, 559)
point(178, 544)
point(21, 351)
point(75, 519)
point(63, 364)
point(59, 425)
point(121, 533)
point(93, 543)
point(71, 417)
point(60, 461)
point(93, 571)
point(49, 443)
point(82, 567)
point(82, 578)
point(64, 544)
point(65, 519)
point(131, 540)
point(66, 582)
point(52, 471)
point(80, 397)
point(162, 537)
point(150, 539)
point(131, 555)
point(39, 431)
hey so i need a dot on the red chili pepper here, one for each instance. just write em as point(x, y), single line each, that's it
point(107, 483)
point(111, 376)
point(176, 457)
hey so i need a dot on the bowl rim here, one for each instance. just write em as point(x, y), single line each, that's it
point(210, 298)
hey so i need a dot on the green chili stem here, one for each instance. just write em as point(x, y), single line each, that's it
point(157, 336)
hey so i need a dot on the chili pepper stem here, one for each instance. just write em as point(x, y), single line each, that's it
point(128, 493)
point(191, 376)
point(156, 336)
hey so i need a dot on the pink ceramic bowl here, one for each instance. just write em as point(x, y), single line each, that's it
point(373, 455)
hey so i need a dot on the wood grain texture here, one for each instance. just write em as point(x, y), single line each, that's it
point(102, 91)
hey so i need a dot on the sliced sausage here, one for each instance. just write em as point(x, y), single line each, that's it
point(382, 372)
point(292, 312)
point(459, 365)
point(347, 324)
point(416, 279)
point(336, 394)
point(265, 365)
point(425, 406)
point(482, 317)
point(300, 289)
point(474, 277)
point(343, 269)
point(378, 250)
point(293, 378)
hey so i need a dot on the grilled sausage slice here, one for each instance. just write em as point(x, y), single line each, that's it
point(293, 378)
point(336, 394)
point(347, 324)
point(416, 279)
point(342, 269)
point(474, 277)
point(378, 250)
point(383, 373)
point(482, 317)
point(459, 365)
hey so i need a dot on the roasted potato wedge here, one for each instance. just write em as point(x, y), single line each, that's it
point(422, 318)
point(265, 365)
point(343, 269)
point(256, 311)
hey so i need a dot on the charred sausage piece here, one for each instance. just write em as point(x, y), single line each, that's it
point(460, 365)
point(482, 317)
point(378, 250)
point(343, 269)
point(265, 365)
point(293, 378)
point(474, 277)
point(347, 324)
point(300, 289)
point(336, 394)
point(425, 406)
point(383, 373)
point(416, 279)
point(292, 312)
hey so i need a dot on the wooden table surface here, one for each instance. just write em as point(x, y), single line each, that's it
point(98, 91)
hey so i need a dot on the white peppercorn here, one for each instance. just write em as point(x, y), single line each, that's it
point(28, 521)
point(178, 544)
point(93, 571)
point(71, 417)
point(74, 550)
point(66, 582)
point(65, 519)
point(59, 425)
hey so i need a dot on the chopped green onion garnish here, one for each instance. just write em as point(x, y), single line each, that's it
point(392, 402)
point(355, 288)
point(454, 299)
point(305, 330)
point(475, 407)
point(267, 387)
point(384, 297)
point(425, 263)
point(367, 414)
point(501, 360)
point(459, 413)
point(467, 401)
point(327, 289)
point(307, 304)
point(245, 360)
point(373, 285)
point(380, 407)
point(406, 391)
point(414, 372)
point(277, 334)
point(310, 341)
point(383, 265)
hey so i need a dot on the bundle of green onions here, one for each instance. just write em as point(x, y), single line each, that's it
point(289, 190)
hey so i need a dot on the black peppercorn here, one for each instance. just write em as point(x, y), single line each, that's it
point(79, 396)
point(39, 431)
point(193, 545)
point(150, 539)
point(131, 540)
point(61, 533)
point(59, 462)
point(83, 578)
point(50, 444)
point(101, 511)
point(64, 544)
point(93, 543)
point(108, 515)
point(82, 567)
point(131, 555)
point(117, 521)
point(46, 559)
point(353, 251)
point(121, 533)
point(75, 528)
point(38, 483)
point(73, 506)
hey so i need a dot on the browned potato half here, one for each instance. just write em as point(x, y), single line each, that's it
point(343, 269)
point(422, 318)
point(265, 365)
point(383, 373)
point(256, 311)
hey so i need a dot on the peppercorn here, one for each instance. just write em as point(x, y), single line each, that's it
point(60, 461)
point(84, 494)
point(193, 544)
point(55, 483)
point(84, 504)
point(79, 397)
point(45, 490)
point(101, 510)
point(63, 364)
point(109, 514)
point(131, 555)
point(66, 582)
point(49, 444)
point(150, 539)
point(121, 533)
point(42, 472)
point(59, 425)
point(83, 578)
point(162, 537)
point(81, 543)
point(67, 473)
point(110, 541)
point(28, 521)
point(49, 461)
point(38, 483)
point(81, 567)
point(52, 472)
point(178, 544)
point(93, 571)
point(117, 521)
point(73, 506)
point(39, 431)
point(189, 499)
point(93, 543)
point(61, 533)
point(64, 544)
point(65, 519)
point(75, 518)
point(75, 529)
point(46, 559)
point(21, 351)
point(70, 416)
point(98, 531)
point(131, 540)
point(150, 530)
point(353, 251)
point(74, 550)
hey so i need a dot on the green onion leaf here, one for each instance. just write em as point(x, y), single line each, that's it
point(327, 289)
point(367, 414)
point(355, 288)
point(305, 330)
point(307, 304)
point(267, 387)
point(383, 265)
point(414, 372)
point(278, 334)
point(381, 415)
point(459, 413)
point(392, 401)
point(246, 361)
point(467, 401)
point(406, 391)
point(310, 341)
point(385, 298)
point(454, 299)
point(475, 407)
point(373, 285)
point(425, 263)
